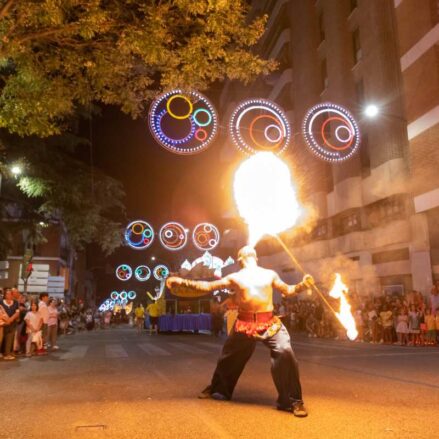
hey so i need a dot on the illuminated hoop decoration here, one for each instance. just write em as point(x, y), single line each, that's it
point(142, 273)
point(132, 295)
point(205, 236)
point(183, 122)
point(139, 235)
point(173, 236)
point(114, 295)
point(331, 132)
point(259, 125)
point(161, 272)
point(123, 295)
point(124, 272)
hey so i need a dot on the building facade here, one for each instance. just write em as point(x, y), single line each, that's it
point(377, 209)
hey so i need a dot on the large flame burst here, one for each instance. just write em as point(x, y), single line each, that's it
point(265, 195)
point(339, 291)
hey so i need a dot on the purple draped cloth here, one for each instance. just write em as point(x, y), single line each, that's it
point(185, 322)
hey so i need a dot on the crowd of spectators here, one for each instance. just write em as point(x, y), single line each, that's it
point(411, 319)
point(30, 325)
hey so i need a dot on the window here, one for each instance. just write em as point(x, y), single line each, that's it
point(321, 28)
point(324, 74)
point(320, 232)
point(356, 45)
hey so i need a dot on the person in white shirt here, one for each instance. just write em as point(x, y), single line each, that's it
point(44, 313)
point(34, 323)
point(52, 324)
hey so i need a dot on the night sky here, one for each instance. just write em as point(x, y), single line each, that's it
point(160, 187)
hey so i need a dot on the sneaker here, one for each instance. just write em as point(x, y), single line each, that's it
point(219, 396)
point(55, 348)
point(9, 358)
point(299, 410)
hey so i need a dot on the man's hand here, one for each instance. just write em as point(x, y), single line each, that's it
point(308, 281)
point(173, 281)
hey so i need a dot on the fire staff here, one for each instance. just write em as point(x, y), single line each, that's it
point(253, 289)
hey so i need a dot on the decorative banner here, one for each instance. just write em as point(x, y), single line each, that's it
point(173, 236)
point(161, 272)
point(139, 235)
point(205, 236)
point(142, 273)
point(331, 132)
point(124, 272)
point(183, 122)
point(259, 125)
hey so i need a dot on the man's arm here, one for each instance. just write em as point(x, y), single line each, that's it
point(290, 290)
point(195, 288)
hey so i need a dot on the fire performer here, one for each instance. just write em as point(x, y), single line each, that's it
point(253, 289)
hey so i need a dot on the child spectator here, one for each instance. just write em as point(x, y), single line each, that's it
point(402, 328)
point(34, 323)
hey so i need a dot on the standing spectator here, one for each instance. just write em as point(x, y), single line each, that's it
point(434, 299)
point(372, 316)
point(44, 312)
point(386, 317)
point(430, 323)
point(402, 328)
point(34, 323)
point(21, 327)
point(3, 321)
point(12, 310)
point(52, 324)
point(414, 325)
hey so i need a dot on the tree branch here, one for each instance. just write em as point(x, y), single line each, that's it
point(5, 8)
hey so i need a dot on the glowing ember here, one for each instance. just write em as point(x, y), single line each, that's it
point(339, 291)
point(265, 196)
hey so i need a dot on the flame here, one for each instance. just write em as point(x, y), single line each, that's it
point(345, 316)
point(265, 196)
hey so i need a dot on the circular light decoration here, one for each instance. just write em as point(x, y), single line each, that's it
point(142, 273)
point(173, 236)
point(205, 236)
point(114, 295)
point(123, 295)
point(259, 125)
point(183, 122)
point(139, 235)
point(124, 272)
point(132, 295)
point(161, 272)
point(331, 132)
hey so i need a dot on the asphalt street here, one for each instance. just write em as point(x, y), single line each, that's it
point(118, 384)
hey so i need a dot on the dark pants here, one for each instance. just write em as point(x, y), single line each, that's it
point(8, 338)
point(238, 349)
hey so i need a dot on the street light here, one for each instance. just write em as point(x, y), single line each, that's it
point(371, 111)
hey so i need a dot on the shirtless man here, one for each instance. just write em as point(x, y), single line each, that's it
point(253, 290)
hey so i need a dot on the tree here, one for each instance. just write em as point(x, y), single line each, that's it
point(65, 189)
point(57, 56)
